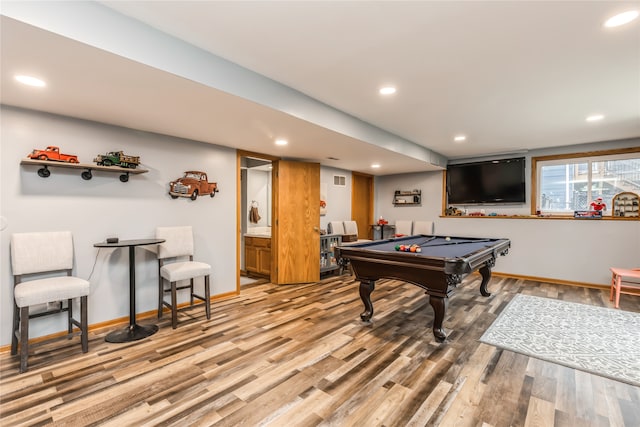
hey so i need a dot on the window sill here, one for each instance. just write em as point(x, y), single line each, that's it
point(545, 217)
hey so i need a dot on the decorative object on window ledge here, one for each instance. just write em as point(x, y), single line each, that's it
point(453, 211)
point(598, 205)
point(192, 185)
point(587, 214)
point(626, 204)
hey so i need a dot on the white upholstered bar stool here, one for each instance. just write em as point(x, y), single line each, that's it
point(335, 227)
point(351, 228)
point(423, 227)
point(403, 228)
point(176, 264)
point(42, 257)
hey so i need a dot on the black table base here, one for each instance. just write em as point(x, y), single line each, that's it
point(131, 333)
point(134, 331)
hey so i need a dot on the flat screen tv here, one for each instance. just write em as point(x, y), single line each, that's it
point(491, 182)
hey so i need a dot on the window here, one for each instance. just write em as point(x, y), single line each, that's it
point(569, 183)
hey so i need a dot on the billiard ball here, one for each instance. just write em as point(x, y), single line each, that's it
point(447, 238)
point(397, 247)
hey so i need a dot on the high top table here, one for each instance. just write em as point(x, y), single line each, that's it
point(134, 331)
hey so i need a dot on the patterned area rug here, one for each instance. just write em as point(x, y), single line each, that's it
point(598, 340)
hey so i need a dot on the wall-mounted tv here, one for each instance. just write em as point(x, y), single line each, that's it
point(490, 182)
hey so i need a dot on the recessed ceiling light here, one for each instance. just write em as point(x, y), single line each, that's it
point(31, 81)
point(375, 166)
point(387, 90)
point(595, 117)
point(621, 18)
point(281, 142)
point(460, 138)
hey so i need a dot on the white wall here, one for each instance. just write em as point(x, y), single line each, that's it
point(430, 183)
point(259, 192)
point(569, 250)
point(338, 198)
point(573, 250)
point(104, 206)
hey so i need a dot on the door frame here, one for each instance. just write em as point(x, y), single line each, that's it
point(356, 204)
point(239, 155)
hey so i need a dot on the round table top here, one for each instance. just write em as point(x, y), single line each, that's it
point(135, 242)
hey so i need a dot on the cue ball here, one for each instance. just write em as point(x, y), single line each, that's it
point(447, 238)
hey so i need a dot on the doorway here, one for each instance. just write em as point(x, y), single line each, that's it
point(362, 203)
point(255, 217)
point(288, 252)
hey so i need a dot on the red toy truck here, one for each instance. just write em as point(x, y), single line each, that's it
point(53, 153)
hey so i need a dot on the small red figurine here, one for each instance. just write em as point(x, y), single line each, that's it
point(598, 205)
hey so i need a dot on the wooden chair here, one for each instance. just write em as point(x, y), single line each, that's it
point(177, 247)
point(42, 257)
point(624, 281)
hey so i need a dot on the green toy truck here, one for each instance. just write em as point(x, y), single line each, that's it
point(117, 158)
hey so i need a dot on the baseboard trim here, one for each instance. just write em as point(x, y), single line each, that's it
point(550, 280)
point(115, 323)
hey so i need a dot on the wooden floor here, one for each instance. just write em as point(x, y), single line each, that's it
point(300, 356)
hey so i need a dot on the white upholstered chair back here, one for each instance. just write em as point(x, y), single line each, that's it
point(335, 227)
point(45, 252)
point(350, 227)
point(178, 241)
point(423, 227)
point(179, 244)
point(40, 252)
point(403, 227)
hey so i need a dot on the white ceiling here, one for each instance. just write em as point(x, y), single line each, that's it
point(511, 76)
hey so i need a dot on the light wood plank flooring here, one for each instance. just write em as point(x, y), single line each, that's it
point(298, 355)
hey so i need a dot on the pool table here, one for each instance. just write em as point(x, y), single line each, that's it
point(441, 264)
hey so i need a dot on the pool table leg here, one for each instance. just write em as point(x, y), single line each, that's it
point(485, 271)
point(366, 287)
point(439, 307)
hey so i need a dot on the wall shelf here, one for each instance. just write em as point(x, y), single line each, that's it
point(407, 198)
point(86, 168)
point(328, 243)
point(626, 205)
